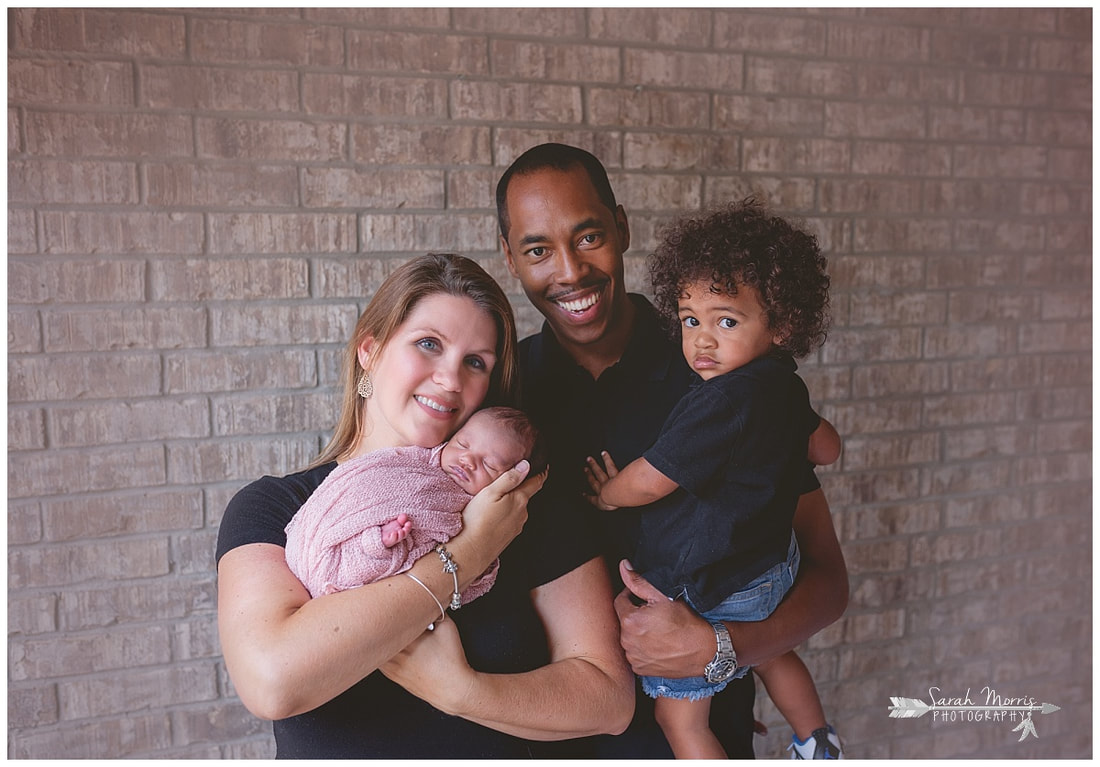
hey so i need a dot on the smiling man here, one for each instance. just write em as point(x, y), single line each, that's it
point(603, 375)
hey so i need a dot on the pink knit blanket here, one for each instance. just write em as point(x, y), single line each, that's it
point(334, 541)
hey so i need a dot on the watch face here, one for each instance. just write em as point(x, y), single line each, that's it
point(719, 670)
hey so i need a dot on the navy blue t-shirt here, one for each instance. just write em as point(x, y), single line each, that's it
point(736, 445)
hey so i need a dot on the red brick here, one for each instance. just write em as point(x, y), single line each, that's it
point(85, 83)
point(768, 115)
point(647, 151)
point(417, 52)
point(632, 107)
point(754, 31)
point(67, 377)
point(547, 61)
point(138, 688)
point(393, 144)
point(108, 135)
point(292, 140)
point(179, 87)
point(234, 185)
point(798, 77)
point(371, 188)
point(682, 69)
point(79, 232)
point(381, 17)
point(775, 155)
point(493, 100)
point(74, 330)
point(239, 370)
point(680, 26)
point(891, 121)
point(356, 95)
point(266, 43)
point(551, 23)
point(65, 181)
point(195, 279)
point(293, 233)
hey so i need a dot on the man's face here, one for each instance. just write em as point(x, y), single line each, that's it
point(566, 248)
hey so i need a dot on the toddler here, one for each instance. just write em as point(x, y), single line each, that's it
point(749, 293)
point(375, 515)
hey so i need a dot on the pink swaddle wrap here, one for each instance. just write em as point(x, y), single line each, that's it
point(334, 542)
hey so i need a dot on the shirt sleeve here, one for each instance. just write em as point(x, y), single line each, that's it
point(260, 511)
point(559, 535)
point(697, 439)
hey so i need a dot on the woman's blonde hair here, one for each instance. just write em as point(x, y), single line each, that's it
point(413, 281)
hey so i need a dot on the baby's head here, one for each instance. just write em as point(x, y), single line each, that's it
point(743, 245)
point(491, 442)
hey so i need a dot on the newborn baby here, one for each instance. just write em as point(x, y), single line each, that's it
point(375, 515)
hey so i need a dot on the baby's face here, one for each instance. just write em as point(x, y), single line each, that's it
point(480, 452)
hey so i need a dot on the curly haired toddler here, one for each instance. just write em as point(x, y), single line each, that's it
point(747, 292)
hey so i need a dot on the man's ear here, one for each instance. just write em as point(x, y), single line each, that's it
point(508, 256)
point(623, 226)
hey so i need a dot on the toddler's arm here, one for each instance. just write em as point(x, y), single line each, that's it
point(636, 485)
point(824, 444)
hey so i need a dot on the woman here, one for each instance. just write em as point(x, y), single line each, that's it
point(354, 674)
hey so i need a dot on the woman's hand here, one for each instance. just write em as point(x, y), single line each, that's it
point(434, 668)
point(494, 517)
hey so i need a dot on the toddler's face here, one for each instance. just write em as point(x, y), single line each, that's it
point(480, 452)
point(723, 332)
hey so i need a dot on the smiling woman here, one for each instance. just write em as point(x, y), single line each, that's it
point(352, 673)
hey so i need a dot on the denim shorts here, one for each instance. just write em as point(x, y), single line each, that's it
point(755, 602)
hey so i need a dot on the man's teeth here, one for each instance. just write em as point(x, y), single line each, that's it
point(432, 404)
point(580, 304)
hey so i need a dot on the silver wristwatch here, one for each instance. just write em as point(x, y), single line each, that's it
point(724, 664)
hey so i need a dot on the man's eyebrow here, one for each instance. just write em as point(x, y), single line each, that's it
point(588, 223)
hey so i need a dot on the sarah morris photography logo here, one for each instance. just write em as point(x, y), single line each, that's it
point(992, 707)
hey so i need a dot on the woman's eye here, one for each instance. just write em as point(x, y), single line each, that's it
point(727, 322)
point(430, 344)
point(476, 363)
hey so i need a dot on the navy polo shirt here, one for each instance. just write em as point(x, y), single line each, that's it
point(736, 445)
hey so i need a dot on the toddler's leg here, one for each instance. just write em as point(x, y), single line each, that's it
point(792, 690)
point(396, 530)
point(686, 724)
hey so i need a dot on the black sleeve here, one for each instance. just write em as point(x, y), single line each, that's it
point(260, 511)
point(559, 535)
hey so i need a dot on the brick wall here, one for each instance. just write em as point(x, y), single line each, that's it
point(200, 202)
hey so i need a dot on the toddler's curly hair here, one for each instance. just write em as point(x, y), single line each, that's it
point(743, 244)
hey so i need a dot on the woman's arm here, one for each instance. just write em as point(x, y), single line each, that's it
point(287, 653)
point(665, 638)
point(586, 689)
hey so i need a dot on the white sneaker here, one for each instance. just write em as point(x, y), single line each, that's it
point(823, 743)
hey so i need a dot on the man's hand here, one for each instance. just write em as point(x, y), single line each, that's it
point(598, 477)
point(661, 637)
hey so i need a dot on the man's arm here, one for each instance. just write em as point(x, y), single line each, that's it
point(667, 638)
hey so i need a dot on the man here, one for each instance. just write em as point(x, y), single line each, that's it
point(603, 375)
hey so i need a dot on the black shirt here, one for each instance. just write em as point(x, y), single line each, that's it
point(736, 445)
point(501, 633)
point(622, 412)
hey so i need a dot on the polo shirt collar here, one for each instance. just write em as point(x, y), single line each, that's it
point(649, 352)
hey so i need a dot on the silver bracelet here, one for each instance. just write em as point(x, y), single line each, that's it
point(449, 566)
point(442, 613)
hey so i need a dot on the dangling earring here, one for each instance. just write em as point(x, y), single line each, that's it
point(365, 387)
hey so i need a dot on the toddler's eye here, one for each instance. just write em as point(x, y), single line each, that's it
point(691, 322)
point(727, 322)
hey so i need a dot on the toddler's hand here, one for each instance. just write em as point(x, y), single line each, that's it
point(598, 476)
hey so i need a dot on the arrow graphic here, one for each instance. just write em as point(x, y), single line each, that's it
point(913, 708)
